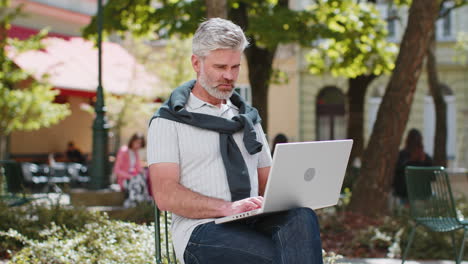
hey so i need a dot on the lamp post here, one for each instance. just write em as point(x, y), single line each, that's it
point(99, 164)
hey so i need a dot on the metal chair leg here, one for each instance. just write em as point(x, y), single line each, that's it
point(411, 237)
point(157, 238)
point(464, 237)
point(454, 245)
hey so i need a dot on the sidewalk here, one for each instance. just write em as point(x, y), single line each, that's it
point(395, 261)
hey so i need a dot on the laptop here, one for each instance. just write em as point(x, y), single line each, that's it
point(303, 174)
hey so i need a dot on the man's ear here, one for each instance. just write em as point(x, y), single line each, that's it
point(196, 63)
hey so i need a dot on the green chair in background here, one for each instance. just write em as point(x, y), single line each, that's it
point(432, 205)
point(13, 193)
point(163, 242)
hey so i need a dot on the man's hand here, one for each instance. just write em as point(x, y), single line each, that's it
point(244, 205)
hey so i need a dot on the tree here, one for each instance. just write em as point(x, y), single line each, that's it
point(266, 23)
point(462, 48)
point(171, 65)
point(26, 102)
point(347, 50)
point(216, 8)
point(371, 189)
point(437, 89)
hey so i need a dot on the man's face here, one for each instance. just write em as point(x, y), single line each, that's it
point(218, 71)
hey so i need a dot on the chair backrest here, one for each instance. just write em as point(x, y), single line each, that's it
point(430, 198)
point(29, 169)
point(13, 175)
point(163, 241)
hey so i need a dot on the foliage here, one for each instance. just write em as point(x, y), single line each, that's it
point(105, 241)
point(168, 59)
point(462, 48)
point(31, 218)
point(354, 235)
point(123, 113)
point(352, 35)
point(61, 234)
point(26, 102)
point(355, 40)
point(269, 24)
point(266, 23)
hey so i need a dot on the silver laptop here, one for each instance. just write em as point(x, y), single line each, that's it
point(303, 174)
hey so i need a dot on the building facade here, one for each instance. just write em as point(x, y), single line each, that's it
point(72, 65)
point(312, 107)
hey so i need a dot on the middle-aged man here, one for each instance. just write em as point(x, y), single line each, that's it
point(209, 158)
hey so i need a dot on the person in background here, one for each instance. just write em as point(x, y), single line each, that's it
point(73, 154)
point(130, 173)
point(412, 155)
point(127, 163)
point(279, 138)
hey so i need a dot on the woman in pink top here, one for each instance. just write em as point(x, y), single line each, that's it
point(127, 164)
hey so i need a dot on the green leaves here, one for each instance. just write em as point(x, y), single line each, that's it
point(30, 108)
point(349, 35)
point(461, 48)
point(26, 103)
point(352, 42)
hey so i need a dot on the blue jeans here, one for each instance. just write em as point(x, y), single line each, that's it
point(286, 237)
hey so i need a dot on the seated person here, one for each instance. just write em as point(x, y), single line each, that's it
point(73, 154)
point(209, 158)
point(412, 155)
point(131, 176)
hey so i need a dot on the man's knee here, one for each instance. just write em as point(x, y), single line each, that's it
point(304, 219)
point(304, 214)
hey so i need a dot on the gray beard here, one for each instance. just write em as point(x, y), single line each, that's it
point(213, 91)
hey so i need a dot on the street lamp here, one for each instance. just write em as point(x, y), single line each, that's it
point(99, 164)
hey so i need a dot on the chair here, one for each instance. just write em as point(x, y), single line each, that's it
point(34, 175)
point(59, 173)
point(162, 238)
point(78, 174)
point(432, 205)
point(15, 184)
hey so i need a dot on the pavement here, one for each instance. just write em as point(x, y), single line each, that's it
point(394, 261)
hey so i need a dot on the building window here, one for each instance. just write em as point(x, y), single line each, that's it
point(245, 92)
point(392, 19)
point(444, 25)
point(330, 111)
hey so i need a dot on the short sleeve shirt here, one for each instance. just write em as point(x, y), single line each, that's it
point(197, 151)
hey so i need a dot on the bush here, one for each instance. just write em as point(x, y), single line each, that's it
point(30, 219)
point(355, 235)
point(60, 235)
point(103, 241)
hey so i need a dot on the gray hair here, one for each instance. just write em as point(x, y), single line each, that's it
point(218, 33)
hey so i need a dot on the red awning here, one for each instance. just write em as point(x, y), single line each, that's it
point(71, 63)
point(22, 33)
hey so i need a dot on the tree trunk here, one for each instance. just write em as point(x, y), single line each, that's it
point(216, 8)
point(260, 64)
point(440, 138)
point(3, 147)
point(357, 88)
point(370, 192)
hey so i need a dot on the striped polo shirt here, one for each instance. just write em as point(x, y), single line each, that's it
point(197, 152)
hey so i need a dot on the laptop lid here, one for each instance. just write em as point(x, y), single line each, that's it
point(306, 174)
